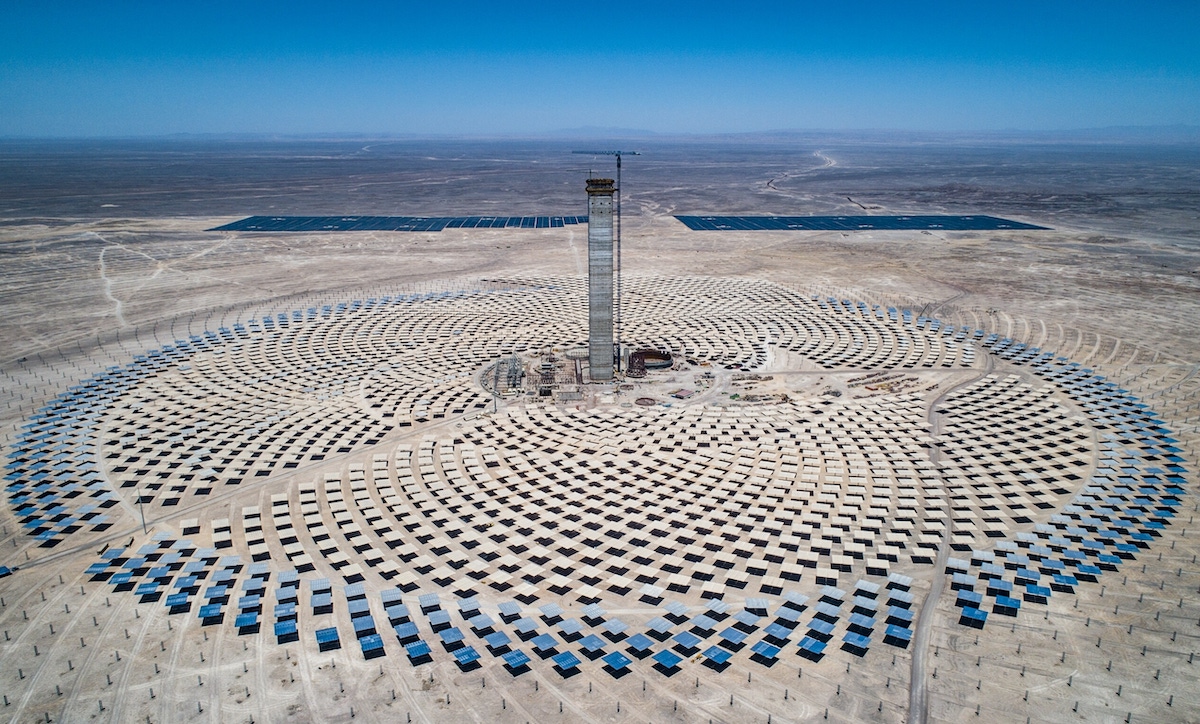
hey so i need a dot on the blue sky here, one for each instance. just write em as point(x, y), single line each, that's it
point(134, 68)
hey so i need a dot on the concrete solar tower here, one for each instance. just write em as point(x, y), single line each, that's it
point(600, 279)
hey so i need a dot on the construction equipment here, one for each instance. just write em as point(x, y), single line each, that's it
point(618, 154)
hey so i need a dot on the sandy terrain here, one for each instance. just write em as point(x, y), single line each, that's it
point(84, 294)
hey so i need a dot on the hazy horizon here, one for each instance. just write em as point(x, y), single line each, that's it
point(1135, 134)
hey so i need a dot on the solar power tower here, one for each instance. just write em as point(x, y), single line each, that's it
point(600, 279)
point(617, 268)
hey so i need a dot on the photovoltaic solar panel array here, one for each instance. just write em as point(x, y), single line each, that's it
point(850, 223)
point(397, 223)
point(695, 223)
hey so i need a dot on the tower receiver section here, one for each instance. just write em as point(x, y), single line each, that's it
point(600, 279)
point(617, 266)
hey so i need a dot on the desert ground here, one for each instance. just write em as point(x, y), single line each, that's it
point(314, 442)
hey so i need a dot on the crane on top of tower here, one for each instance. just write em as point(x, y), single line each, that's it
point(618, 154)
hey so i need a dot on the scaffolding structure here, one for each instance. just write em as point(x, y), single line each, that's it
point(600, 279)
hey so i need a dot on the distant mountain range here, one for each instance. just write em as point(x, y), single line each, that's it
point(1187, 134)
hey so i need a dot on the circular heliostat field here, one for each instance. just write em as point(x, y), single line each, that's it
point(341, 475)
